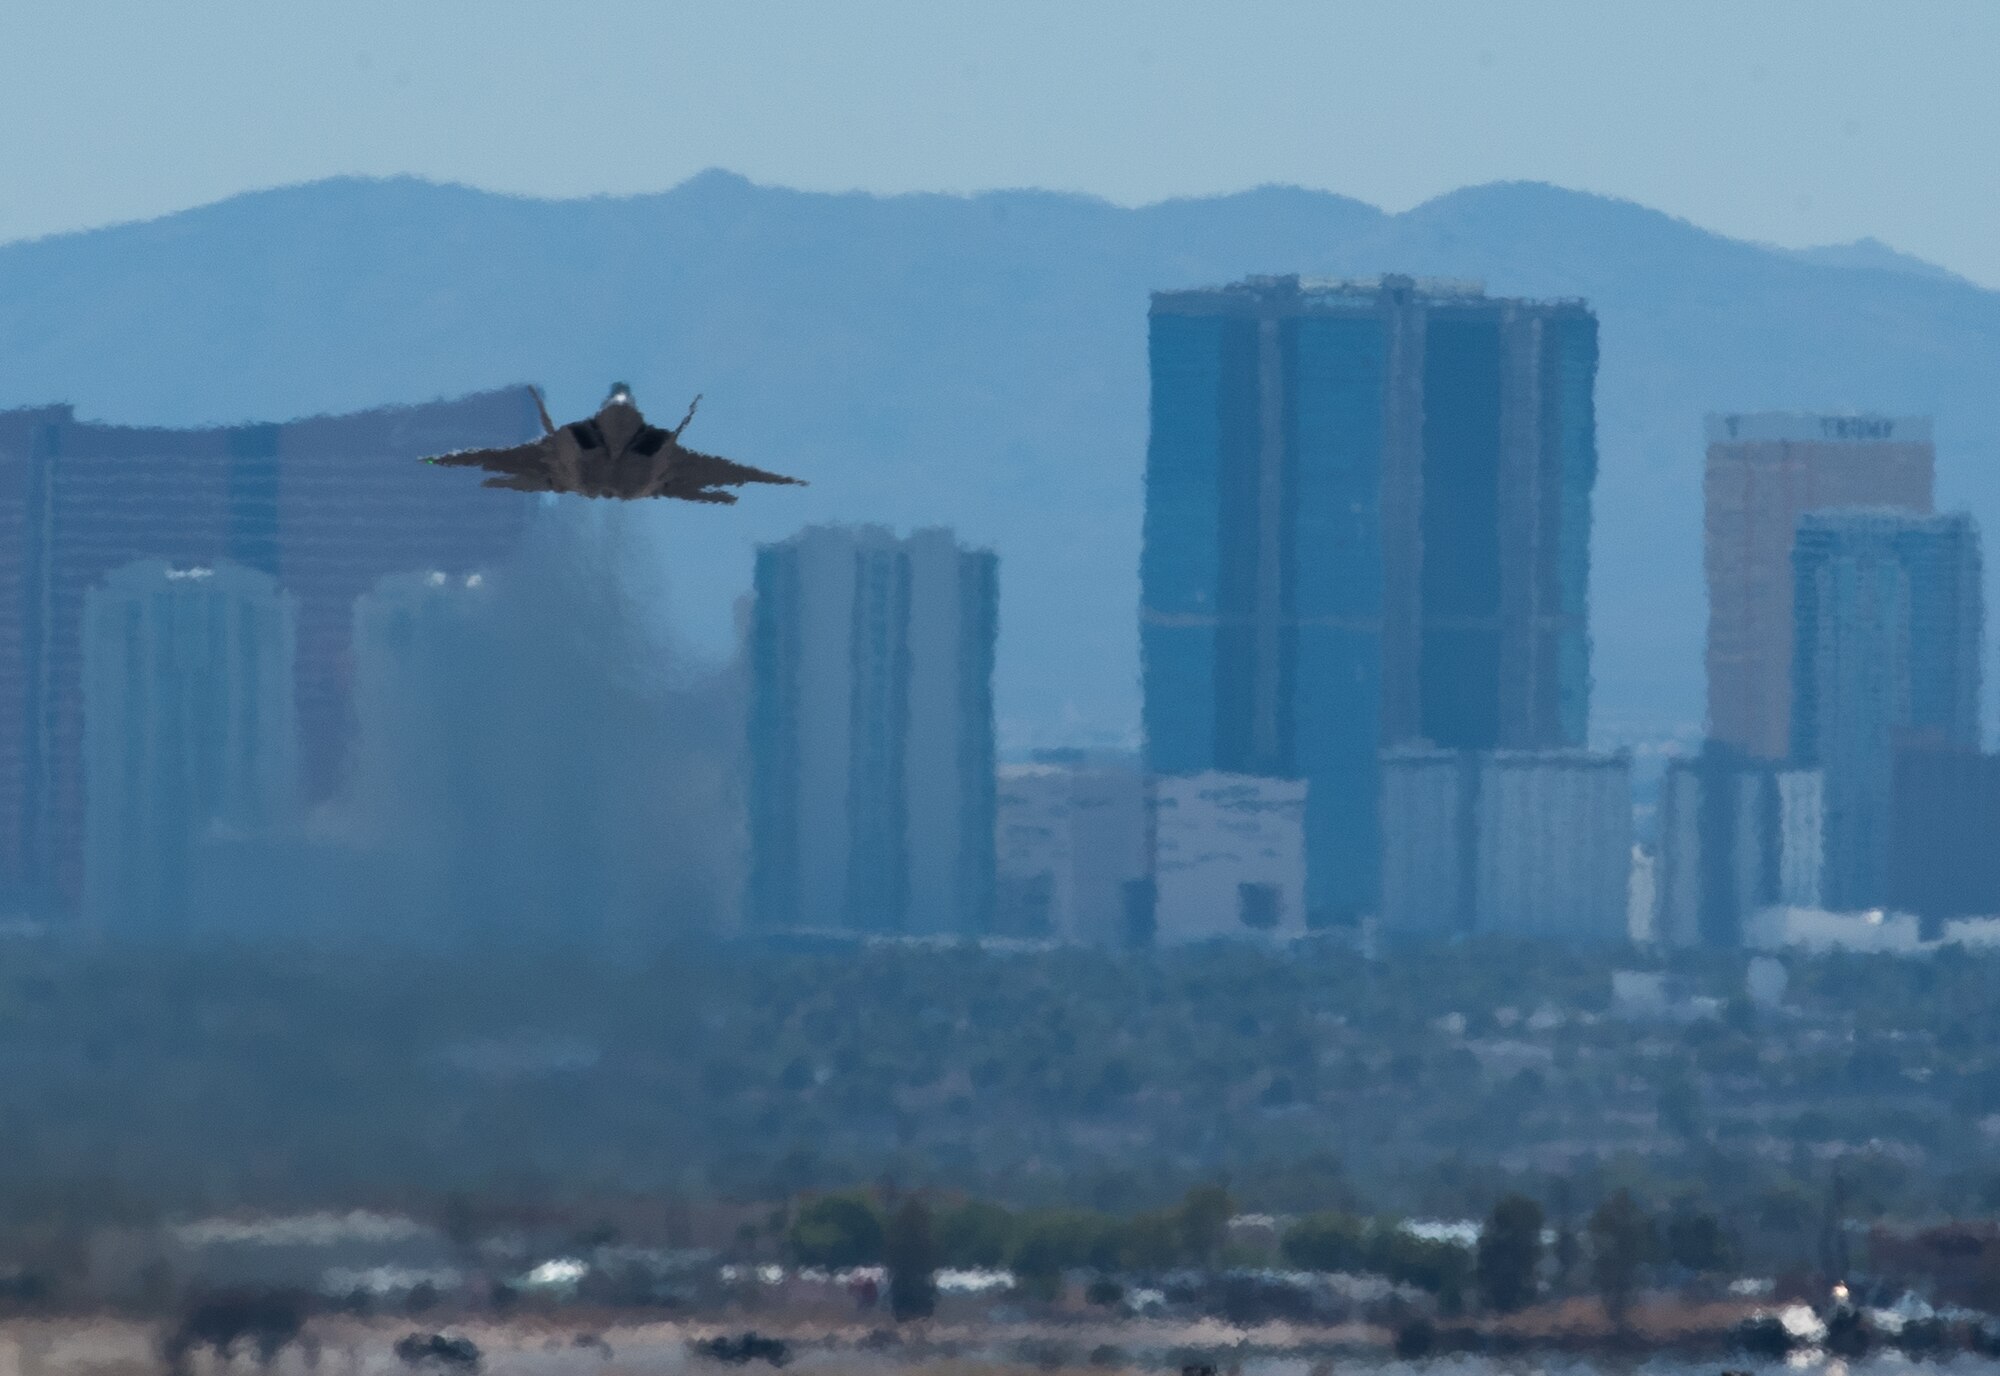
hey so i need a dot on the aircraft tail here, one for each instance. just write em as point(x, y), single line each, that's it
point(548, 426)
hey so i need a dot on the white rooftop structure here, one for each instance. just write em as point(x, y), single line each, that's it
point(1816, 929)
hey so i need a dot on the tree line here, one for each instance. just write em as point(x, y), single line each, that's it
point(1517, 1259)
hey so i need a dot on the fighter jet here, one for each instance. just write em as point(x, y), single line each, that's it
point(613, 454)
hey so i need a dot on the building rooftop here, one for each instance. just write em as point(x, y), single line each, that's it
point(1816, 427)
point(1564, 756)
point(1340, 293)
point(870, 536)
point(1884, 520)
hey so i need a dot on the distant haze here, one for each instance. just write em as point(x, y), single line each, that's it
point(980, 362)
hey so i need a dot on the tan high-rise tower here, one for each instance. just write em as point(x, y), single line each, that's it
point(1765, 471)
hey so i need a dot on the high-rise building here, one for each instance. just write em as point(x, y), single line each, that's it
point(418, 790)
point(1737, 836)
point(418, 638)
point(188, 727)
point(1943, 860)
point(1518, 843)
point(871, 733)
point(1887, 614)
point(19, 434)
point(1367, 524)
point(1764, 471)
point(325, 505)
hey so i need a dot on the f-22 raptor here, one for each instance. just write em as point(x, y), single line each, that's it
point(613, 454)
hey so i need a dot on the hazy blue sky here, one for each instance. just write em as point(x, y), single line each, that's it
point(1794, 123)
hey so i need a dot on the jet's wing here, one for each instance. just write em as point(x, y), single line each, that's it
point(521, 460)
point(706, 470)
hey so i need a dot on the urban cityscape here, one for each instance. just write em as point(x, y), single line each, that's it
point(1325, 703)
point(1366, 672)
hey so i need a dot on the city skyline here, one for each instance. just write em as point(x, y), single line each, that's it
point(1367, 528)
point(1272, 312)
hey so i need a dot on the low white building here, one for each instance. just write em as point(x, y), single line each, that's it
point(1071, 849)
point(1972, 931)
point(1816, 929)
point(1228, 857)
point(1765, 981)
point(1640, 994)
point(1642, 895)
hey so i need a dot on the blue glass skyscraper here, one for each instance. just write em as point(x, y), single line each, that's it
point(1367, 524)
point(1887, 612)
